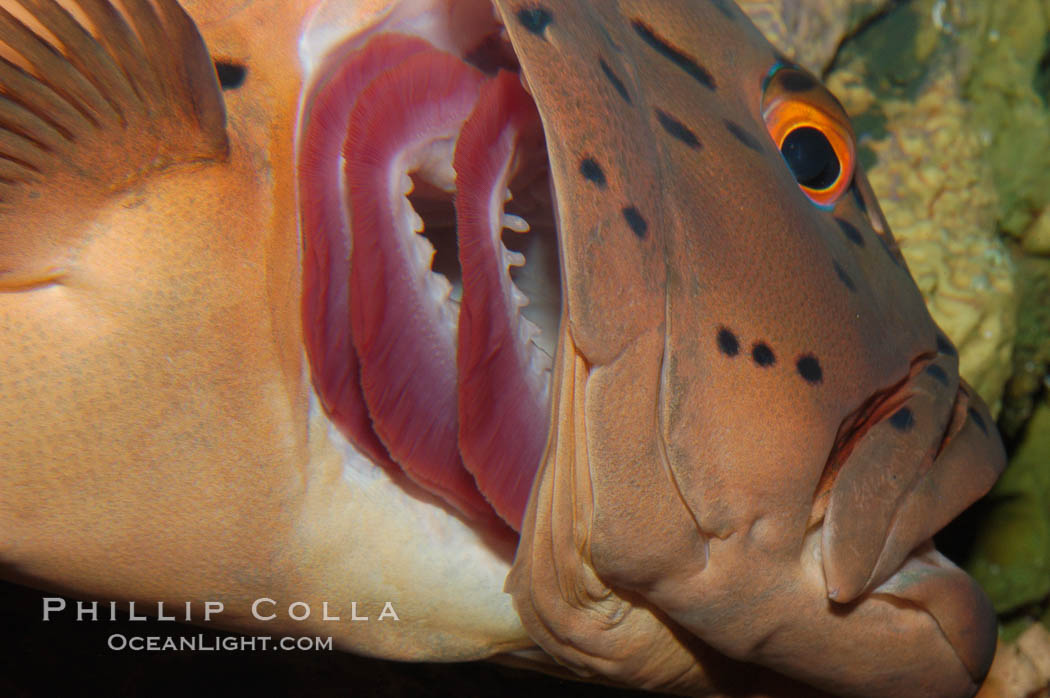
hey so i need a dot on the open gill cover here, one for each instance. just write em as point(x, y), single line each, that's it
point(438, 379)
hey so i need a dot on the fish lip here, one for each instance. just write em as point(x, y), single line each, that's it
point(917, 462)
point(873, 412)
point(930, 581)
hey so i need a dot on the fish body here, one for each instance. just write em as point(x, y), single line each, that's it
point(723, 431)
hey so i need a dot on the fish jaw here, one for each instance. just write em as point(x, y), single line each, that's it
point(633, 595)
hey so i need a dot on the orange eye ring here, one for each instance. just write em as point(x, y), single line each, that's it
point(813, 134)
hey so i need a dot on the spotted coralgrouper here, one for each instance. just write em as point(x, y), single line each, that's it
point(688, 427)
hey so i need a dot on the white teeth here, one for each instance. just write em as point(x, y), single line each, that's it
point(417, 222)
point(407, 185)
point(442, 285)
point(520, 299)
point(447, 176)
point(513, 259)
point(508, 196)
point(424, 251)
point(528, 331)
point(515, 223)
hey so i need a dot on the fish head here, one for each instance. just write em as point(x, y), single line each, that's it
point(757, 427)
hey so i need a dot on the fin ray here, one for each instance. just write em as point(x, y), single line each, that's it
point(46, 60)
point(83, 52)
point(40, 99)
point(99, 99)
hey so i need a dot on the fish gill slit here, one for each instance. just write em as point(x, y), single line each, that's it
point(432, 208)
point(436, 209)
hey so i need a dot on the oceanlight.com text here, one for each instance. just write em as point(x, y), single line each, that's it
point(120, 642)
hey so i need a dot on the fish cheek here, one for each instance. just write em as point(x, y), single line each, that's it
point(603, 521)
point(641, 532)
point(614, 281)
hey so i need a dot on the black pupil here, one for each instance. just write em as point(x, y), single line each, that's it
point(811, 158)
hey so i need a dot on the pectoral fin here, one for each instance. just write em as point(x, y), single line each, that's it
point(104, 100)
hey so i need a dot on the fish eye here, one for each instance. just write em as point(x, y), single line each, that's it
point(813, 133)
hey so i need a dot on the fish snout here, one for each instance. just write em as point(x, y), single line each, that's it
point(915, 462)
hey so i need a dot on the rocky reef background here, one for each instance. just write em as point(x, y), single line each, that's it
point(949, 99)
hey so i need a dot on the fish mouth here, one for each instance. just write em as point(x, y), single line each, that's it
point(432, 286)
point(962, 611)
point(903, 468)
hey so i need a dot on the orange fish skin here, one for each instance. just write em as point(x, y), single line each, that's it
point(159, 437)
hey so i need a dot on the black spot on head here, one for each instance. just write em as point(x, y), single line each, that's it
point(844, 277)
point(617, 83)
point(902, 419)
point(851, 232)
point(591, 170)
point(944, 346)
point(231, 75)
point(535, 19)
point(809, 368)
point(743, 136)
point(763, 355)
point(727, 342)
point(977, 419)
point(635, 220)
point(937, 373)
point(677, 129)
point(689, 65)
point(797, 81)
